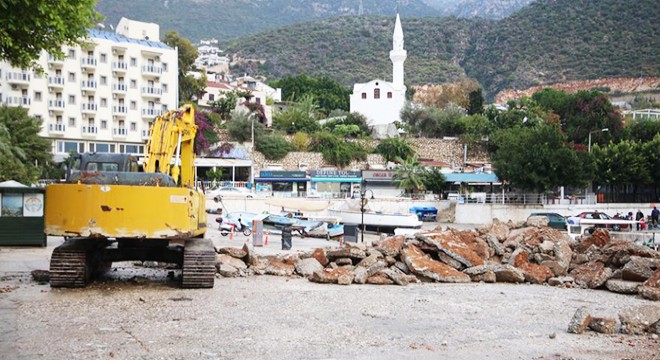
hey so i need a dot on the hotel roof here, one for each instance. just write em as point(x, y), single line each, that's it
point(100, 34)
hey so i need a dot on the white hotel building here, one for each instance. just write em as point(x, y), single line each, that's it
point(103, 95)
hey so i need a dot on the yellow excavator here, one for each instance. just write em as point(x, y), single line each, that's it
point(108, 210)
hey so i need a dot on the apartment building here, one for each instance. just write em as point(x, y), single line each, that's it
point(101, 96)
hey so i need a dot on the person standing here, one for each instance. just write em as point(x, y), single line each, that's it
point(655, 213)
point(639, 216)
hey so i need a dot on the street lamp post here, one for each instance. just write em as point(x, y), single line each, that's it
point(363, 203)
point(595, 131)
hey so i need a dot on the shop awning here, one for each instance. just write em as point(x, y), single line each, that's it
point(336, 180)
point(260, 179)
point(472, 178)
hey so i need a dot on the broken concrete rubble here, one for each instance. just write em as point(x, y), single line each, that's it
point(580, 320)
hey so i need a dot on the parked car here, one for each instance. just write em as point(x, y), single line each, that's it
point(229, 192)
point(555, 221)
point(597, 215)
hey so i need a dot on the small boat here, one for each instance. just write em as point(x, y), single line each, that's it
point(279, 220)
point(350, 213)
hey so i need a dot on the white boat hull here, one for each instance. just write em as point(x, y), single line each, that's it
point(375, 219)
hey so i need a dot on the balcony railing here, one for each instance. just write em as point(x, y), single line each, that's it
point(56, 81)
point(119, 88)
point(119, 66)
point(88, 62)
point(88, 84)
point(89, 107)
point(119, 109)
point(151, 91)
point(151, 112)
point(56, 104)
point(152, 70)
point(18, 101)
point(90, 130)
point(56, 128)
point(120, 131)
point(21, 78)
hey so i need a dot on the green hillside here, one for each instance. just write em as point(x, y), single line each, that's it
point(487, 9)
point(356, 49)
point(558, 40)
point(227, 19)
point(547, 41)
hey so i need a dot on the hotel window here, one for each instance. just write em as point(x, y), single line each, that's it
point(72, 76)
point(133, 126)
point(133, 105)
point(133, 84)
point(72, 99)
point(37, 96)
point(104, 58)
point(72, 54)
point(389, 94)
point(104, 80)
point(364, 95)
point(72, 122)
point(164, 88)
point(104, 124)
point(104, 102)
point(211, 97)
point(133, 61)
point(376, 93)
point(164, 66)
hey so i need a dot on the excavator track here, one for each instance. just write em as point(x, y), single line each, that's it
point(72, 265)
point(198, 264)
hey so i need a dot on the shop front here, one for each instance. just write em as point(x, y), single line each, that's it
point(381, 182)
point(335, 183)
point(21, 215)
point(282, 183)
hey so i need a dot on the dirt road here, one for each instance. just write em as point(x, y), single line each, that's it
point(145, 316)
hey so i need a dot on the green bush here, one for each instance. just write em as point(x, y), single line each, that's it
point(393, 148)
point(274, 147)
point(300, 141)
point(336, 150)
point(239, 128)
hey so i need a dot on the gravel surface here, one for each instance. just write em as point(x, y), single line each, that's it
point(138, 313)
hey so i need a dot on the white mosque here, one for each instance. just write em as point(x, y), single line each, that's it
point(381, 101)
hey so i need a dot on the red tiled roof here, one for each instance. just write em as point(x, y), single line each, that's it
point(218, 85)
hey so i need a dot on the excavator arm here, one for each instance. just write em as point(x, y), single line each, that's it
point(170, 146)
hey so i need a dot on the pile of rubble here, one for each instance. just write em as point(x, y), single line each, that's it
point(633, 321)
point(501, 252)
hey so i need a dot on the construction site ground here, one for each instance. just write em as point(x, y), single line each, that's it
point(136, 312)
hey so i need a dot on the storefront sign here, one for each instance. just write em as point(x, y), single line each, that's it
point(272, 174)
point(343, 174)
point(378, 175)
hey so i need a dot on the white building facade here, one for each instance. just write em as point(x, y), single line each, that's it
point(103, 96)
point(378, 100)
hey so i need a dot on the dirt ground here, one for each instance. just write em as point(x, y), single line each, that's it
point(138, 313)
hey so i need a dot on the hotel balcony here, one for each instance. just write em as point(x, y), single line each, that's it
point(119, 88)
point(152, 70)
point(17, 101)
point(88, 85)
point(56, 82)
point(88, 62)
point(90, 130)
point(119, 66)
point(119, 132)
point(89, 108)
point(151, 113)
point(119, 110)
point(52, 60)
point(56, 128)
point(57, 105)
point(152, 92)
point(18, 77)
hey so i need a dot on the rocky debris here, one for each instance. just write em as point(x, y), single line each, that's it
point(306, 267)
point(622, 286)
point(639, 268)
point(537, 221)
point(650, 289)
point(391, 246)
point(232, 251)
point(501, 252)
point(603, 325)
point(591, 275)
point(319, 255)
point(562, 281)
point(230, 260)
point(331, 276)
point(580, 320)
point(353, 253)
point(639, 319)
point(508, 273)
point(452, 245)
point(421, 264)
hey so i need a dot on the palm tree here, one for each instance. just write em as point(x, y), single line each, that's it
point(409, 175)
point(6, 147)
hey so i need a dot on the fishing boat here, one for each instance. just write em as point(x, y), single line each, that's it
point(350, 213)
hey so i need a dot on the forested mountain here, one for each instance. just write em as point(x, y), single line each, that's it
point(487, 9)
point(547, 41)
point(227, 19)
